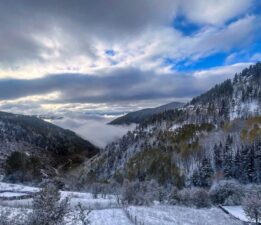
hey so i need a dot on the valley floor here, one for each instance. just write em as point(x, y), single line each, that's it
point(106, 211)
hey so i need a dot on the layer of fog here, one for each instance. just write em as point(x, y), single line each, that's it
point(94, 129)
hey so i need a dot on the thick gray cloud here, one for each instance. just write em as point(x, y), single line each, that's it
point(52, 33)
point(117, 86)
point(76, 23)
point(76, 26)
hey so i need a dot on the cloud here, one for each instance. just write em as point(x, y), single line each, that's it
point(54, 54)
point(214, 11)
point(117, 87)
point(45, 37)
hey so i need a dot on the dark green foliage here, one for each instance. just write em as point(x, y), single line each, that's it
point(203, 176)
point(154, 164)
point(44, 135)
point(217, 156)
point(220, 91)
point(140, 116)
point(58, 148)
point(228, 192)
point(176, 115)
point(21, 167)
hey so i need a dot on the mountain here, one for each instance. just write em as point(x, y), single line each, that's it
point(215, 135)
point(143, 114)
point(25, 140)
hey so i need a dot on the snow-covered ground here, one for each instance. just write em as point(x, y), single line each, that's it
point(106, 211)
point(237, 212)
point(177, 215)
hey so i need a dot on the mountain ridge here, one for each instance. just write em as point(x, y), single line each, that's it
point(143, 114)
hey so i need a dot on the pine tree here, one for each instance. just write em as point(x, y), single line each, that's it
point(228, 158)
point(217, 157)
point(250, 164)
point(206, 173)
point(257, 176)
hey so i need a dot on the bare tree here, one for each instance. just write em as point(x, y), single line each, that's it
point(252, 206)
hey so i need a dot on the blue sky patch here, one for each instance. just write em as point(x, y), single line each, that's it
point(110, 52)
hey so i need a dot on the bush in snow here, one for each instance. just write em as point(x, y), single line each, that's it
point(252, 206)
point(197, 197)
point(48, 208)
point(173, 197)
point(227, 192)
point(140, 193)
point(250, 188)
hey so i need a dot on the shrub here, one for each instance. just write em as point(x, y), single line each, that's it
point(197, 197)
point(227, 192)
point(200, 198)
point(140, 193)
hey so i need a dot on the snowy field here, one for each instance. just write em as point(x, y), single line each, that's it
point(170, 215)
point(237, 212)
point(105, 211)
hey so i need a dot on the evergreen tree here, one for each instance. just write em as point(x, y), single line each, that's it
point(228, 158)
point(218, 157)
point(250, 164)
point(206, 173)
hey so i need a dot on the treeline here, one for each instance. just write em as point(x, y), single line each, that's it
point(242, 164)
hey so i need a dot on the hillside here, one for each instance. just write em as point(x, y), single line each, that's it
point(27, 139)
point(217, 134)
point(144, 114)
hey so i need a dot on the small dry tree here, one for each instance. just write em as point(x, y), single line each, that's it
point(84, 214)
point(252, 206)
point(48, 207)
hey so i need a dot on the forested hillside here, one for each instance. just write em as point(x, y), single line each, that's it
point(32, 148)
point(216, 135)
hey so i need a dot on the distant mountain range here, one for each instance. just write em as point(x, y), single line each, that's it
point(143, 114)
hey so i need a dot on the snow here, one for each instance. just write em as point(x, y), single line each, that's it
point(106, 211)
point(17, 187)
point(109, 217)
point(174, 127)
point(11, 194)
point(170, 215)
point(237, 212)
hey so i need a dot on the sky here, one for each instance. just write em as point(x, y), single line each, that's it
point(108, 57)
